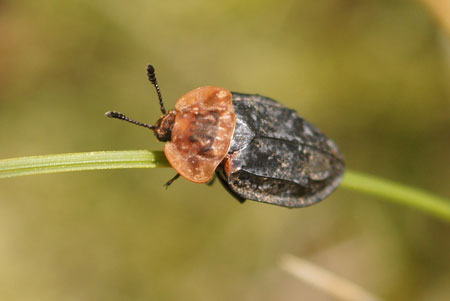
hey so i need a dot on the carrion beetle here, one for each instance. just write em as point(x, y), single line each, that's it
point(259, 149)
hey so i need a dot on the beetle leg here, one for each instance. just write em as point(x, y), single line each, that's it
point(211, 182)
point(168, 183)
point(234, 194)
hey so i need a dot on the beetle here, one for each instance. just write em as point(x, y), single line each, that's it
point(257, 148)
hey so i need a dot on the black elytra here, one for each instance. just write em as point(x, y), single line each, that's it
point(278, 157)
point(272, 155)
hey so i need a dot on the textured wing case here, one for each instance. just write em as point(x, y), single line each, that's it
point(277, 157)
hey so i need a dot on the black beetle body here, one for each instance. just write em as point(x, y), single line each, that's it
point(277, 157)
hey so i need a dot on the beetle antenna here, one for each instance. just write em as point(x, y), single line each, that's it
point(152, 78)
point(120, 116)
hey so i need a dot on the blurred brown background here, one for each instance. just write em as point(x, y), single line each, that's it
point(373, 75)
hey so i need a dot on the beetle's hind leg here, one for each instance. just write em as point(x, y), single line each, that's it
point(211, 182)
point(234, 194)
point(168, 183)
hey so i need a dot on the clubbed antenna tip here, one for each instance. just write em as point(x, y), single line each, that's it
point(117, 115)
point(152, 78)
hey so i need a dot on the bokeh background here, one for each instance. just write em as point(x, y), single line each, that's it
point(373, 75)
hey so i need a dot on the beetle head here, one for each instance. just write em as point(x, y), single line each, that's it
point(164, 125)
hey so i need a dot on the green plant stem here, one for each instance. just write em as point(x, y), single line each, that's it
point(394, 192)
point(81, 161)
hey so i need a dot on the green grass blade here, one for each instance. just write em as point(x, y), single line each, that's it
point(398, 193)
point(371, 185)
point(81, 161)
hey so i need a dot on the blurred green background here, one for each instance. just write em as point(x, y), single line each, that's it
point(373, 75)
